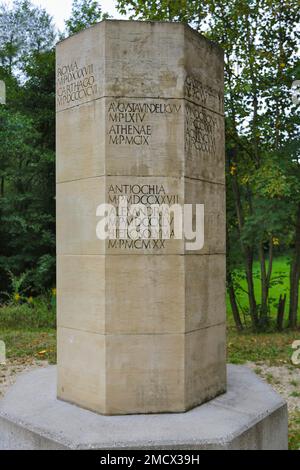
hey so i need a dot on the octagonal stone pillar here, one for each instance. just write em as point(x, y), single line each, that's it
point(141, 326)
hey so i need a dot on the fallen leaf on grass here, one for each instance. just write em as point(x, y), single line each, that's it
point(42, 353)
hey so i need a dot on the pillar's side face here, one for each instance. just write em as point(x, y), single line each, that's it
point(141, 323)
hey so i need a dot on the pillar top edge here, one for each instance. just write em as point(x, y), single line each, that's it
point(171, 24)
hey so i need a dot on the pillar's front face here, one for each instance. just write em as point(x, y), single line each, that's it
point(141, 324)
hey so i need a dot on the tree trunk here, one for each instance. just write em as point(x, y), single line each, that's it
point(295, 276)
point(247, 249)
point(233, 303)
point(270, 269)
point(265, 278)
point(251, 291)
point(280, 313)
point(248, 254)
point(264, 283)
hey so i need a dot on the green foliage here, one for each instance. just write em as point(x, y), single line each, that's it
point(27, 208)
point(21, 310)
point(24, 29)
point(28, 314)
point(27, 151)
point(169, 10)
point(18, 287)
point(85, 13)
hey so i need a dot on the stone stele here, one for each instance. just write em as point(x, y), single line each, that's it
point(141, 324)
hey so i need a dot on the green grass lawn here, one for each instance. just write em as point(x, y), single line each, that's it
point(274, 349)
point(280, 285)
point(28, 344)
point(29, 330)
point(294, 431)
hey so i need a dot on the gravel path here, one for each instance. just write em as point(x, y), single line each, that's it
point(10, 371)
point(284, 379)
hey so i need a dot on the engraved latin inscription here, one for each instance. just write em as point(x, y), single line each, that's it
point(204, 95)
point(131, 123)
point(147, 195)
point(201, 129)
point(75, 83)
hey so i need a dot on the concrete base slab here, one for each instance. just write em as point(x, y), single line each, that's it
point(249, 416)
